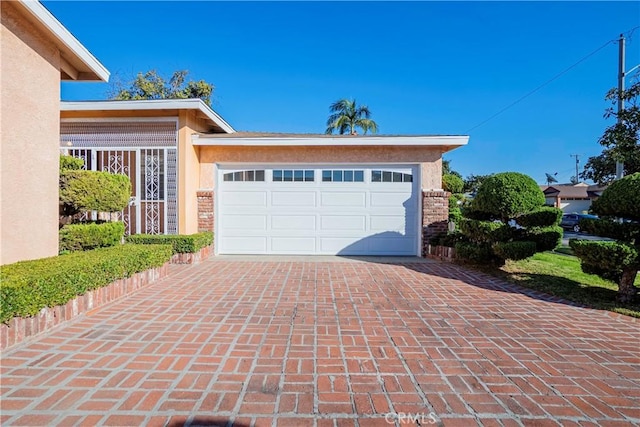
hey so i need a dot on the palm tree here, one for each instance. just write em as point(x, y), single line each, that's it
point(346, 116)
point(551, 178)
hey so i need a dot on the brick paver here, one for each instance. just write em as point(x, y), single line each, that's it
point(282, 343)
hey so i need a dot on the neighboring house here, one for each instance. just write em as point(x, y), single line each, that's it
point(572, 198)
point(37, 53)
point(264, 193)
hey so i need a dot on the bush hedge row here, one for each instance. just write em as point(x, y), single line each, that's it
point(544, 217)
point(86, 236)
point(625, 231)
point(180, 243)
point(514, 250)
point(28, 286)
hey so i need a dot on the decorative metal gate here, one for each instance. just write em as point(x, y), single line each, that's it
point(152, 170)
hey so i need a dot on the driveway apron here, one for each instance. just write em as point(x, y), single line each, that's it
point(301, 342)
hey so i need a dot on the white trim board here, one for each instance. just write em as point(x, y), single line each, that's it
point(149, 105)
point(364, 141)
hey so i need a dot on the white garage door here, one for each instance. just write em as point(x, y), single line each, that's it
point(328, 210)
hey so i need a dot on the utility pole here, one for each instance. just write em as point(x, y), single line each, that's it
point(577, 156)
point(621, 75)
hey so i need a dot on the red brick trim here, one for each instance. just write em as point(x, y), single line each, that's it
point(21, 328)
point(442, 253)
point(205, 210)
point(435, 215)
point(193, 258)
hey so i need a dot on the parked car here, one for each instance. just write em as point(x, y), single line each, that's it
point(572, 221)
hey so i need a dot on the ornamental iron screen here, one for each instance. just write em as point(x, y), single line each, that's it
point(146, 152)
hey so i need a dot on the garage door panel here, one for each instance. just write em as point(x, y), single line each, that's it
point(343, 222)
point(382, 223)
point(291, 245)
point(344, 199)
point(385, 244)
point(244, 245)
point(293, 222)
point(244, 198)
point(390, 199)
point(339, 215)
point(342, 245)
point(293, 198)
point(245, 222)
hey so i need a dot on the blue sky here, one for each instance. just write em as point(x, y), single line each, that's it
point(421, 67)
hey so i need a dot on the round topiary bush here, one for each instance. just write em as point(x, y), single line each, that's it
point(507, 195)
point(620, 199)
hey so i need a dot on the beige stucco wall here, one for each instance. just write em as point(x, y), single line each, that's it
point(29, 156)
point(430, 158)
point(188, 173)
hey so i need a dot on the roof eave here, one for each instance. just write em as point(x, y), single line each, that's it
point(151, 105)
point(445, 143)
point(77, 62)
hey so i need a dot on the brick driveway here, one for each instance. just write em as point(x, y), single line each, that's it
point(279, 343)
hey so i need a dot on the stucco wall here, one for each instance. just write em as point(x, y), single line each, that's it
point(188, 173)
point(430, 158)
point(29, 102)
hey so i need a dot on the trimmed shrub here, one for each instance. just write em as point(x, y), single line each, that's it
point(606, 259)
point(508, 195)
point(545, 238)
point(543, 217)
point(514, 250)
point(447, 239)
point(82, 190)
point(452, 183)
point(475, 253)
point(487, 231)
point(621, 199)
point(70, 163)
point(625, 231)
point(618, 260)
point(180, 243)
point(85, 236)
point(28, 286)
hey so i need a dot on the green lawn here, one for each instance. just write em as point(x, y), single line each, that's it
point(560, 275)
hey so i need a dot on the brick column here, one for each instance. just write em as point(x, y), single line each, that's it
point(205, 210)
point(435, 215)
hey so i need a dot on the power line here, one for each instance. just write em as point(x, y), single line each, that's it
point(546, 83)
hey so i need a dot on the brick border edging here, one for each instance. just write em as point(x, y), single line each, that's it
point(193, 257)
point(442, 253)
point(20, 328)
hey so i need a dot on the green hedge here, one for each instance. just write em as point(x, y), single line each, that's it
point(82, 237)
point(545, 238)
point(514, 250)
point(474, 253)
point(605, 258)
point(487, 231)
point(624, 231)
point(28, 286)
point(180, 243)
point(543, 217)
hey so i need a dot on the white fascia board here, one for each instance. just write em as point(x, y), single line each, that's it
point(64, 37)
point(149, 105)
point(406, 141)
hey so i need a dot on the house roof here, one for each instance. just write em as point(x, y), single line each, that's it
point(578, 191)
point(203, 111)
point(445, 142)
point(77, 63)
